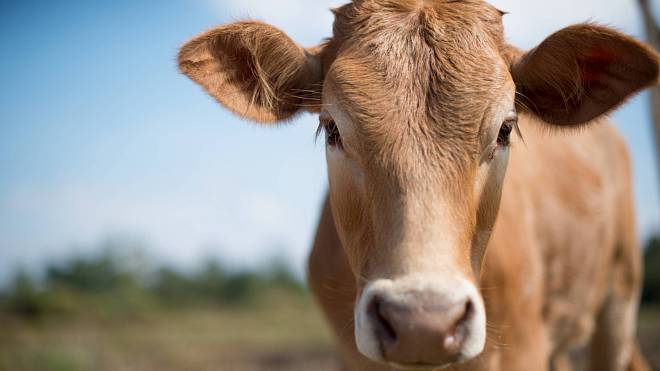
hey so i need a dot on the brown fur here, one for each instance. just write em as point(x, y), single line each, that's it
point(415, 87)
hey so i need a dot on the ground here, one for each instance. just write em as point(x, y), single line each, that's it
point(288, 335)
point(649, 335)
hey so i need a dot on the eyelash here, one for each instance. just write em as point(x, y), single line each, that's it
point(332, 135)
point(504, 135)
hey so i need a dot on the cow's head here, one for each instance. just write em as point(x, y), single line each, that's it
point(418, 101)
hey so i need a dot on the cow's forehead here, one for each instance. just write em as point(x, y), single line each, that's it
point(418, 66)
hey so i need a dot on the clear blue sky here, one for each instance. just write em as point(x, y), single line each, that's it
point(100, 135)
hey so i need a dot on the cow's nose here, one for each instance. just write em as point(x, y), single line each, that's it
point(420, 330)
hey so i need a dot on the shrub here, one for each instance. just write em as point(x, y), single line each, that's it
point(651, 292)
point(107, 286)
point(24, 298)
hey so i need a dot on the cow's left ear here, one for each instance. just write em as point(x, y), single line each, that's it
point(582, 72)
point(255, 70)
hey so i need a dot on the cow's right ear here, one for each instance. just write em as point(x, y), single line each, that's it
point(255, 70)
point(581, 73)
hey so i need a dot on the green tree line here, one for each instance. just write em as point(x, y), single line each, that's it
point(105, 285)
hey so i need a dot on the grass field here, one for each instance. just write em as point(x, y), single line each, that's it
point(286, 335)
point(649, 335)
point(282, 333)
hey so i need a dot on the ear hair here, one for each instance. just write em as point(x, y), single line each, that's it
point(254, 69)
point(581, 73)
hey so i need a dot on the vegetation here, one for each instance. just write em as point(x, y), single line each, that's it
point(651, 294)
point(105, 285)
point(108, 312)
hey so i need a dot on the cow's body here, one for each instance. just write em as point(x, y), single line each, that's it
point(564, 252)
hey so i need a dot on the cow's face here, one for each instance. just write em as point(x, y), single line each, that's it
point(418, 110)
point(418, 101)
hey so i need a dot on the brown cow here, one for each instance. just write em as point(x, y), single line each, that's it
point(426, 255)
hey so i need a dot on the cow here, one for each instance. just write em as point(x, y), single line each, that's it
point(480, 210)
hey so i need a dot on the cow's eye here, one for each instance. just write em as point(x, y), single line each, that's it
point(504, 136)
point(332, 136)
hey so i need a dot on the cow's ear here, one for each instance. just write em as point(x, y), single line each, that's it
point(582, 72)
point(255, 70)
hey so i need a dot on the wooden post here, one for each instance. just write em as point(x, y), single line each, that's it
point(653, 38)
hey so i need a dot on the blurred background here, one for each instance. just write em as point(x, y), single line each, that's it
point(143, 227)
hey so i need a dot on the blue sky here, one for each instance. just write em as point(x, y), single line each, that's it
point(100, 135)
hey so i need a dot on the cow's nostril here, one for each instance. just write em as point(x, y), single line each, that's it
point(468, 312)
point(456, 335)
point(384, 330)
